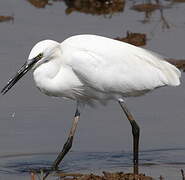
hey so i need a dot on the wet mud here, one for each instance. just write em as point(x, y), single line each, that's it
point(104, 176)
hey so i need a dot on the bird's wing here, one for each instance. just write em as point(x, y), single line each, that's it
point(111, 66)
point(119, 77)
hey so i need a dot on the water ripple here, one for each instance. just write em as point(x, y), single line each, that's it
point(91, 161)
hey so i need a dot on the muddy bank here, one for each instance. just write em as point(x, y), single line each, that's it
point(104, 176)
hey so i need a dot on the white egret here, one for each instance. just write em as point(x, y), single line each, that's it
point(90, 68)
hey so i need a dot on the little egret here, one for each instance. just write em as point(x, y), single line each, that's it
point(91, 68)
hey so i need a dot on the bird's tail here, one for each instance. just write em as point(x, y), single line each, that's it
point(172, 73)
point(179, 63)
point(168, 67)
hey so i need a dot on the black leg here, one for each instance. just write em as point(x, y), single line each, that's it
point(68, 144)
point(135, 133)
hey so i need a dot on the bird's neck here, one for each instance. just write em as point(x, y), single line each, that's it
point(45, 73)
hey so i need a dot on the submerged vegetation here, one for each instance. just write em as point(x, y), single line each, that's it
point(95, 6)
point(137, 39)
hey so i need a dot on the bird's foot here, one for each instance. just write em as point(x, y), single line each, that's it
point(48, 171)
point(43, 173)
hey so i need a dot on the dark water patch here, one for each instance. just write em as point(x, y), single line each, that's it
point(92, 161)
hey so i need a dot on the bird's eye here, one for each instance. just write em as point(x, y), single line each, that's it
point(40, 56)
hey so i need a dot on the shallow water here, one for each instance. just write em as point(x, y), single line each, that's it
point(34, 124)
point(153, 162)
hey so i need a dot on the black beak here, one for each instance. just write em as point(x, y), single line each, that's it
point(20, 73)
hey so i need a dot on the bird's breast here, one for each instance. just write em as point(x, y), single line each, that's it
point(62, 83)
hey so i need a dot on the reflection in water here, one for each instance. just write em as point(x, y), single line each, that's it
point(107, 7)
point(148, 7)
point(95, 7)
point(165, 24)
point(137, 39)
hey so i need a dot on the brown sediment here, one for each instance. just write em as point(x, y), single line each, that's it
point(105, 176)
point(6, 18)
point(137, 39)
point(39, 3)
point(95, 7)
point(146, 7)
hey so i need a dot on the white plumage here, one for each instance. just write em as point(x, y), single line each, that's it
point(90, 67)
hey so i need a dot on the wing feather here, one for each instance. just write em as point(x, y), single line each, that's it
point(111, 66)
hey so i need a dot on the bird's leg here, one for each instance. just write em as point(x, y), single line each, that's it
point(67, 146)
point(135, 133)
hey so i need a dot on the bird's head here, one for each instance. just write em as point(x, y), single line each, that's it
point(42, 52)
